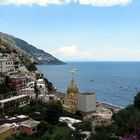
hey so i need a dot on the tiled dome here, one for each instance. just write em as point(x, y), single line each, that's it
point(72, 88)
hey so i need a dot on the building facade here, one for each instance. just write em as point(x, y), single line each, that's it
point(86, 102)
point(9, 129)
point(22, 84)
point(6, 65)
point(14, 102)
point(18, 83)
point(71, 99)
point(5, 131)
point(29, 126)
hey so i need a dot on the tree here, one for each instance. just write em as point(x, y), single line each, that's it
point(54, 112)
point(36, 90)
point(39, 75)
point(83, 126)
point(4, 89)
point(58, 133)
point(15, 51)
point(101, 136)
point(123, 122)
point(49, 86)
point(137, 101)
point(31, 67)
point(44, 126)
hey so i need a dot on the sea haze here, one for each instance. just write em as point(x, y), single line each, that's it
point(113, 82)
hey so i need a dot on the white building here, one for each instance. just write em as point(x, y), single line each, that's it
point(42, 86)
point(6, 65)
point(41, 83)
point(1, 55)
point(86, 102)
point(103, 113)
point(23, 69)
point(48, 98)
point(69, 121)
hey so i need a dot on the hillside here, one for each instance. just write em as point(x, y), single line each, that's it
point(10, 43)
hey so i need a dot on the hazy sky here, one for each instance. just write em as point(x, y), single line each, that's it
point(76, 30)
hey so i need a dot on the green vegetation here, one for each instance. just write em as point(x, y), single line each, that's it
point(31, 66)
point(137, 101)
point(83, 126)
point(5, 91)
point(126, 123)
point(58, 132)
point(55, 132)
point(103, 133)
point(3, 50)
point(46, 110)
point(44, 127)
point(79, 129)
point(54, 112)
point(39, 76)
point(50, 86)
point(50, 128)
point(36, 90)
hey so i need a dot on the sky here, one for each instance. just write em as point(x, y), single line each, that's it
point(76, 30)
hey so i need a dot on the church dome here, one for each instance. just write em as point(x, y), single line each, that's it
point(72, 88)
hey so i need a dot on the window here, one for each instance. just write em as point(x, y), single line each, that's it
point(34, 129)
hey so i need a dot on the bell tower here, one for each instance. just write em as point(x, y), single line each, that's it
point(71, 99)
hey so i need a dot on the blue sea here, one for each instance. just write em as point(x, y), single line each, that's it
point(113, 82)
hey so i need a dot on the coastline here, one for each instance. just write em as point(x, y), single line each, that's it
point(104, 104)
point(110, 106)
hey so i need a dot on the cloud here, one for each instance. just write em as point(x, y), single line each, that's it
point(68, 50)
point(98, 3)
point(101, 3)
point(31, 2)
point(106, 52)
point(73, 52)
point(109, 52)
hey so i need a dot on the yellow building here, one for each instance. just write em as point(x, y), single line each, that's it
point(6, 130)
point(71, 99)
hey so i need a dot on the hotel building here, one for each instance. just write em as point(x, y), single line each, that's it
point(14, 102)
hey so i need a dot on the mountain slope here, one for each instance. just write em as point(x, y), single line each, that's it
point(26, 50)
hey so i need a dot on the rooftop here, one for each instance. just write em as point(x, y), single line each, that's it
point(40, 80)
point(30, 123)
point(22, 116)
point(3, 128)
point(5, 59)
point(6, 127)
point(72, 87)
point(17, 77)
point(69, 121)
point(104, 113)
point(13, 98)
point(92, 93)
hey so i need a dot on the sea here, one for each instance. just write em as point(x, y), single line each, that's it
point(113, 82)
